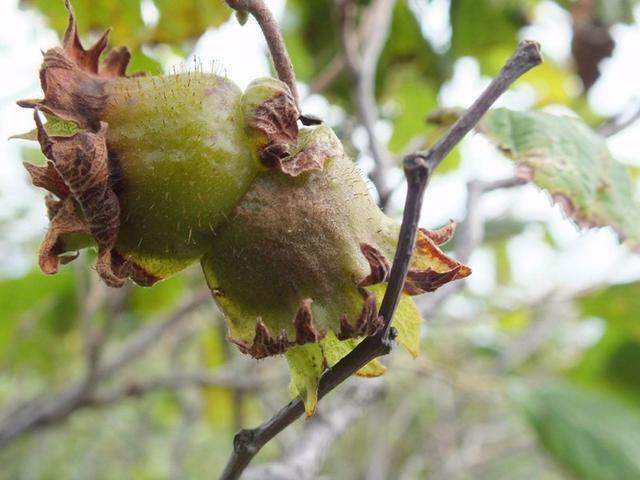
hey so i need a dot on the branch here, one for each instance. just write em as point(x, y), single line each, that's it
point(135, 347)
point(471, 232)
point(468, 236)
point(338, 63)
point(418, 168)
point(361, 54)
point(617, 124)
point(48, 410)
point(271, 32)
point(524, 59)
point(226, 378)
point(304, 460)
point(94, 337)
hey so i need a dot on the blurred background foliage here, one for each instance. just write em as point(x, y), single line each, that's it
point(509, 384)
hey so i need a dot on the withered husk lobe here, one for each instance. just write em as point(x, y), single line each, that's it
point(276, 121)
point(79, 172)
point(368, 323)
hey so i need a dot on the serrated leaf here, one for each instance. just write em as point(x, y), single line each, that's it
point(572, 162)
point(592, 434)
point(306, 365)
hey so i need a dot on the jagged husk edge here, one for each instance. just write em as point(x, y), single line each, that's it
point(431, 268)
point(78, 173)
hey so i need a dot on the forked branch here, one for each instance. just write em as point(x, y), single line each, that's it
point(418, 168)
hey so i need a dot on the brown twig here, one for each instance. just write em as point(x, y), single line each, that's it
point(362, 53)
point(418, 168)
point(338, 63)
point(95, 337)
point(617, 124)
point(226, 377)
point(306, 454)
point(49, 410)
point(275, 42)
point(469, 236)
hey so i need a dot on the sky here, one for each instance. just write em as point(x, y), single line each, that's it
point(583, 259)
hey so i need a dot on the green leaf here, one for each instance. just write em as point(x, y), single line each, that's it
point(593, 435)
point(307, 362)
point(568, 159)
point(38, 315)
point(480, 28)
point(613, 361)
point(334, 350)
point(188, 19)
point(411, 97)
point(306, 365)
point(618, 305)
point(179, 22)
point(54, 126)
point(406, 320)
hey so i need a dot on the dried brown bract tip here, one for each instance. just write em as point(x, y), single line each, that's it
point(306, 331)
point(423, 277)
point(368, 323)
point(77, 173)
point(264, 343)
point(378, 263)
point(73, 78)
point(442, 235)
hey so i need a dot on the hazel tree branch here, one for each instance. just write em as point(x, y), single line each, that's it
point(616, 124)
point(305, 456)
point(469, 236)
point(418, 168)
point(338, 63)
point(281, 60)
point(94, 337)
point(52, 409)
point(225, 377)
point(361, 54)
